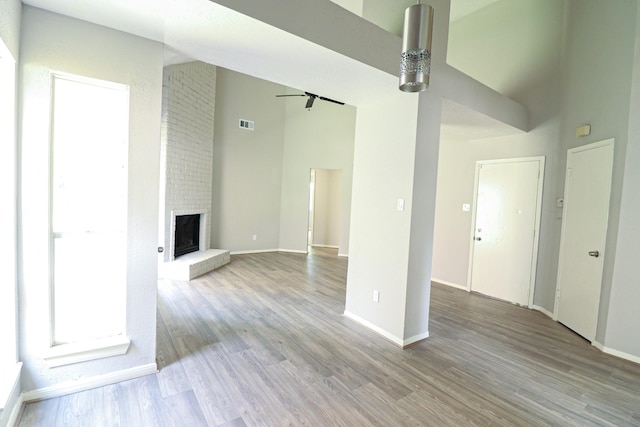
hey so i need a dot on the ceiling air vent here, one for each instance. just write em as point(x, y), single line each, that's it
point(246, 124)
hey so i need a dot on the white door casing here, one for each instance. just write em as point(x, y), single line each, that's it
point(506, 220)
point(583, 238)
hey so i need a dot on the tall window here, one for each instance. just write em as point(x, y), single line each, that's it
point(90, 129)
point(8, 174)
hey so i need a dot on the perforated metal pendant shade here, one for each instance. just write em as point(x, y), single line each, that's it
point(415, 63)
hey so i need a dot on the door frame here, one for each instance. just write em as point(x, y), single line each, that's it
point(610, 142)
point(536, 236)
point(311, 207)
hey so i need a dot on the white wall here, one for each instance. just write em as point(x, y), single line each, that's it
point(326, 207)
point(10, 13)
point(560, 99)
point(247, 165)
point(598, 92)
point(419, 273)
point(624, 316)
point(320, 138)
point(397, 141)
point(380, 234)
point(53, 42)
point(515, 49)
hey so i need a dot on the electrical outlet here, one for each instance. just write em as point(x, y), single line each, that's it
point(255, 237)
point(376, 296)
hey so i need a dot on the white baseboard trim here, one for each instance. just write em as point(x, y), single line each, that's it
point(398, 341)
point(89, 383)
point(414, 339)
point(262, 251)
point(453, 285)
point(374, 328)
point(292, 251)
point(15, 412)
point(11, 398)
point(325, 246)
point(343, 255)
point(256, 251)
point(616, 353)
point(542, 310)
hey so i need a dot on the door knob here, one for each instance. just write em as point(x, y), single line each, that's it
point(478, 238)
point(595, 254)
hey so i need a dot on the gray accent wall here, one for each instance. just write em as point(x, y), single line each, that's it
point(247, 164)
point(261, 177)
point(320, 138)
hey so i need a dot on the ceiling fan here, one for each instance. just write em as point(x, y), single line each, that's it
point(312, 98)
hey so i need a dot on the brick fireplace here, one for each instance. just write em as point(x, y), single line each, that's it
point(188, 107)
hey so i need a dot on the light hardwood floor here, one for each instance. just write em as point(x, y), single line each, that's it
point(263, 342)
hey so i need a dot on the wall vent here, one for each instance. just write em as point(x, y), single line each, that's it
point(246, 124)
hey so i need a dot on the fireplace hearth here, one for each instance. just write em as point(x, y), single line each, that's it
point(187, 234)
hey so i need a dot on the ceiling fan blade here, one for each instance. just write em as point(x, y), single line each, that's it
point(331, 100)
point(310, 101)
point(312, 98)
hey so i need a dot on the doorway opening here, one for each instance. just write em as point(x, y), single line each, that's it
point(325, 190)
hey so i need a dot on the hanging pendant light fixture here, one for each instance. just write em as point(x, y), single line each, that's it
point(415, 64)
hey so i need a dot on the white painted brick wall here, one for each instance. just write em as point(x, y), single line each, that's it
point(188, 108)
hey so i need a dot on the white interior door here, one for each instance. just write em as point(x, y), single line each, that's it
point(505, 237)
point(584, 233)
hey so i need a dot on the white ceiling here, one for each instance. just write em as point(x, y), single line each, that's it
point(389, 14)
point(207, 31)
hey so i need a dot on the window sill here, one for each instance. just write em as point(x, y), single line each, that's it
point(67, 354)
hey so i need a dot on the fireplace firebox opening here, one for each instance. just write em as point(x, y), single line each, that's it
point(187, 235)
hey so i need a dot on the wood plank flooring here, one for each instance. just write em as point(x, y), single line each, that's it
point(263, 342)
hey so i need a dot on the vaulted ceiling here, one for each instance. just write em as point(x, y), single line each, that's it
point(208, 31)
